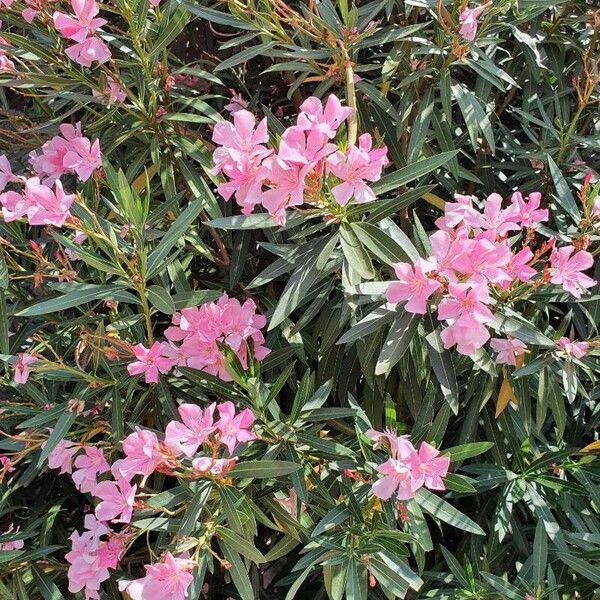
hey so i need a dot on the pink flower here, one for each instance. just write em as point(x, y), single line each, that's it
point(567, 269)
point(89, 465)
point(322, 120)
point(166, 580)
point(468, 21)
point(153, 3)
point(239, 157)
point(142, 455)
point(287, 181)
point(83, 157)
point(117, 500)
point(217, 467)
point(482, 260)
point(11, 546)
point(412, 285)
point(494, 219)
point(29, 14)
point(291, 503)
point(44, 206)
point(193, 431)
point(518, 267)
point(21, 367)
point(93, 49)
point(6, 3)
point(508, 350)
point(355, 166)
point(428, 468)
point(396, 478)
point(468, 338)
point(232, 428)
point(6, 466)
point(6, 65)
point(77, 238)
point(150, 361)
point(113, 92)
point(466, 304)
point(530, 213)
point(62, 456)
point(572, 348)
point(457, 212)
point(6, 174)
point(83, 24)
point(236, 103)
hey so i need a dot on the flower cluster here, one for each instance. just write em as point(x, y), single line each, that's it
point(305, 160)
point(69, 152)
point(407, 469)
point(194, 338)
point(473, 263)
point(81, 28)
point(39, 203)
point(166, 580)
point(100, 547)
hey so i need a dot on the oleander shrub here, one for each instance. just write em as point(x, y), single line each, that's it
point(299, 299)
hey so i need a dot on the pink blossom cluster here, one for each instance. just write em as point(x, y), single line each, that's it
point(81, 28)
point(92, 554)
point(38, 203)
point(473, 262)
point(167, 580)
point(256, 174)
point(69, 152)
point(407, 470)
point(194, 337)
point(214, 428)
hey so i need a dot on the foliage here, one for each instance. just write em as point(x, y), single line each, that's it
point(143, 235)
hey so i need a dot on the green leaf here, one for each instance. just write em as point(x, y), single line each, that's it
point(374, 321)
point(245, 55)
point(58, 433)
point(563, 194)
point(540, 555)
point(464, 451)
point(191, 516)
point(355, 252)
point(380, 244)
point(237, 571)
point(411, 172)
point(241, 545)
point(170, 28)
point(301, 280)
point(82, 295)
point(332, 519)
point(397, 342)
point(263, 469)
point(458, 483)
point(511, 327)
point(474, 115)
point(174, 235)
point(445, 512)
point(160, 299)
point(45, 586)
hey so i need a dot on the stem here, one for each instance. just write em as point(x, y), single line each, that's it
point(351, 99)
point(141, 290)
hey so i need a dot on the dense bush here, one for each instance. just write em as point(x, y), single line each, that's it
point(299, 300)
